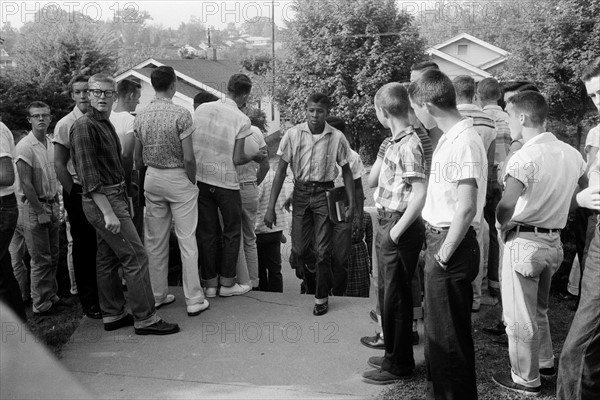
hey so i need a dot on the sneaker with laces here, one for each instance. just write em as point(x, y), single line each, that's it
point(235, 290)
point(168, 300)
point(196, 309)
point(210, 292)
point(504, 380)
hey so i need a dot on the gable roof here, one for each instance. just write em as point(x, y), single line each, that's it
point(461, 63)
point(474, 40)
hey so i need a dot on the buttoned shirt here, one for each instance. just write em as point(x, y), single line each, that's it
point(96, 152)
point(503, 139)
point(403, 164)
point(425, 144)
point(310, 160)
point(549, 169)
point(247, 172)
point(482, 123)
point(459, 156)
point(218, 125)
point(160, 128)
point(62, 136)
point(40, 157)
point(264, 192)
point(7, 149)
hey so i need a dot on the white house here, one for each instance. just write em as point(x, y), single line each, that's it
point(467, 55)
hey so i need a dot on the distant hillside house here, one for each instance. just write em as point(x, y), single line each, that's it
point(193, 75)
point(6, 61)
point(467, 55)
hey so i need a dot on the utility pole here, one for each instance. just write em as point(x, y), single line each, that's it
point(273, 61)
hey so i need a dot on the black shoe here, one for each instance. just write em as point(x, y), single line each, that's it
point(502, 340)
point(415, 338)
point(574, 306)
point(53, 310)
point(505, 381)
point(127, 320)
point(375, 361)
point(566, 296)
point(373, 315)
point(61, 303)
point(381, 377)
point(499, 329)
point(320, 309)
point(373, 342)
point(548, 372)
point(159, 328)
point(93, 312)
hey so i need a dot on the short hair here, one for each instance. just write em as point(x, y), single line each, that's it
point(127, 86)
point(162, 78)
point(393, 98)
point(258, 118)
point(78, 79)
point(105, 78)
point(489, 89)
point(464, 85)
point(204, 97)
point(239, 84)
point(433, 87)
point(337, 123)
point(591, 71)
point(37, 104)
point(319, 98)
point(531, 103)
point(423, 66)
point(518, 86)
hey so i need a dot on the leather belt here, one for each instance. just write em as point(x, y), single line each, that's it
point(529, 228)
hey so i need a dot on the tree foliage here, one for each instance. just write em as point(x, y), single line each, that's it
point(348, 50)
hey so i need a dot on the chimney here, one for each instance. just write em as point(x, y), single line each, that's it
point(214, 54)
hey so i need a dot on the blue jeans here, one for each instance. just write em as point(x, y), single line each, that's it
point(449, 349)
point(269, 261)
point(579, 365)
point(42, 244)
point(312, 233)
point(9, 288)
point(124, 248)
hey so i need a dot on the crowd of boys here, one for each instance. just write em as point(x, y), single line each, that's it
point(456, 176)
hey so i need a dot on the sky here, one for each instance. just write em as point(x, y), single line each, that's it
point(169, 14)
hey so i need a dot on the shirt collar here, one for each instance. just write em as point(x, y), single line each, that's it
point(468, 107)
point(493, 107)
point(404, 132)
point(542, 138)
point(97, 115)
point(458, 128)
point(34, 141)
point(328, 128)
point(77, 112)
point(163, 99)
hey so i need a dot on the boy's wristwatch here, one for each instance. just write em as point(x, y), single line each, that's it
point(437, 258)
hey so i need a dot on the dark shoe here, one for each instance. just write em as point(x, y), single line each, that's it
point(381, 377)
point(320, 309)
point(505, 381)
point(475, 309)
point(494, 292)
point(373, 342)
point(548, 372)
point(127, 320)
point(93, 312)
point(499, 329)
point(415, 338)
point(566, 296)
point(53, 310)
point(159, 328)
point(502, 340)
point(574, 306)
point(60, 303)
point(373, 315)
point(375, 362)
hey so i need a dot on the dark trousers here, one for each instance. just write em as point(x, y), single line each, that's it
point(84, 248)
point(10, 293)
point(211, 199)
point(341, 252)
point(312, 232)
point(268, 246)
point(449, 350)
point(397, 264)
point(494, 194)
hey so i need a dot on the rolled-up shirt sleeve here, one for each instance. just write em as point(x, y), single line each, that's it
point(85, 160)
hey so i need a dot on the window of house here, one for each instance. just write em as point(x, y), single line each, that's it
point(462, 49)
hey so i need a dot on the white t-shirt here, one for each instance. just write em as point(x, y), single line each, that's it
point(7, 149)
point(247, 172)
point(123, 123)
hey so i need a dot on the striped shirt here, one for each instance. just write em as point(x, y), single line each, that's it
point(160, 128)
point(503, 139)
point(310, 160)
point(96, 152)
point(62, 136)
point(483, 124)
point(403, 164)
point(264, 192)
point(218, 125)
point(40, 158)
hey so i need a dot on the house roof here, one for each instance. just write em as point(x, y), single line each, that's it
point(454, 60)
point(474, 40)
point(183, 87)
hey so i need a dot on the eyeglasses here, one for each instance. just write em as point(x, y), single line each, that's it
point(98, 92)
point(40, 116)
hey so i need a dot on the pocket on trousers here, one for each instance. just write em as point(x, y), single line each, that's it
point(530, 259)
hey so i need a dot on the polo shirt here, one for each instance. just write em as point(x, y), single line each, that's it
point(503, 138)
point(123, 123)
point(62, 136)
point(314, 160)
point(482, 123)
point(459, 155)
point(549, 169)
point(217, 125)
point(40, 158)
point(7, 149)
point(247, 172)
point(403, 163)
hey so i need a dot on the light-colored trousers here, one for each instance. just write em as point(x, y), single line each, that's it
point(171, 197)
point(248, 257)
point(529, 261)
point(483, 233)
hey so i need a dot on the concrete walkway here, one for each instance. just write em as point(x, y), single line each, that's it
point(260, 345)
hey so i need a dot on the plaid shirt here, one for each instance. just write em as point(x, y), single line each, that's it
point(312, 161)
point(502, 132)
point(403, 163)
point(96, 152)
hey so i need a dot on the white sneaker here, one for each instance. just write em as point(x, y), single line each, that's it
point(168, 300)
point(235, 290)
point(196, 309)
point(210, 292)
